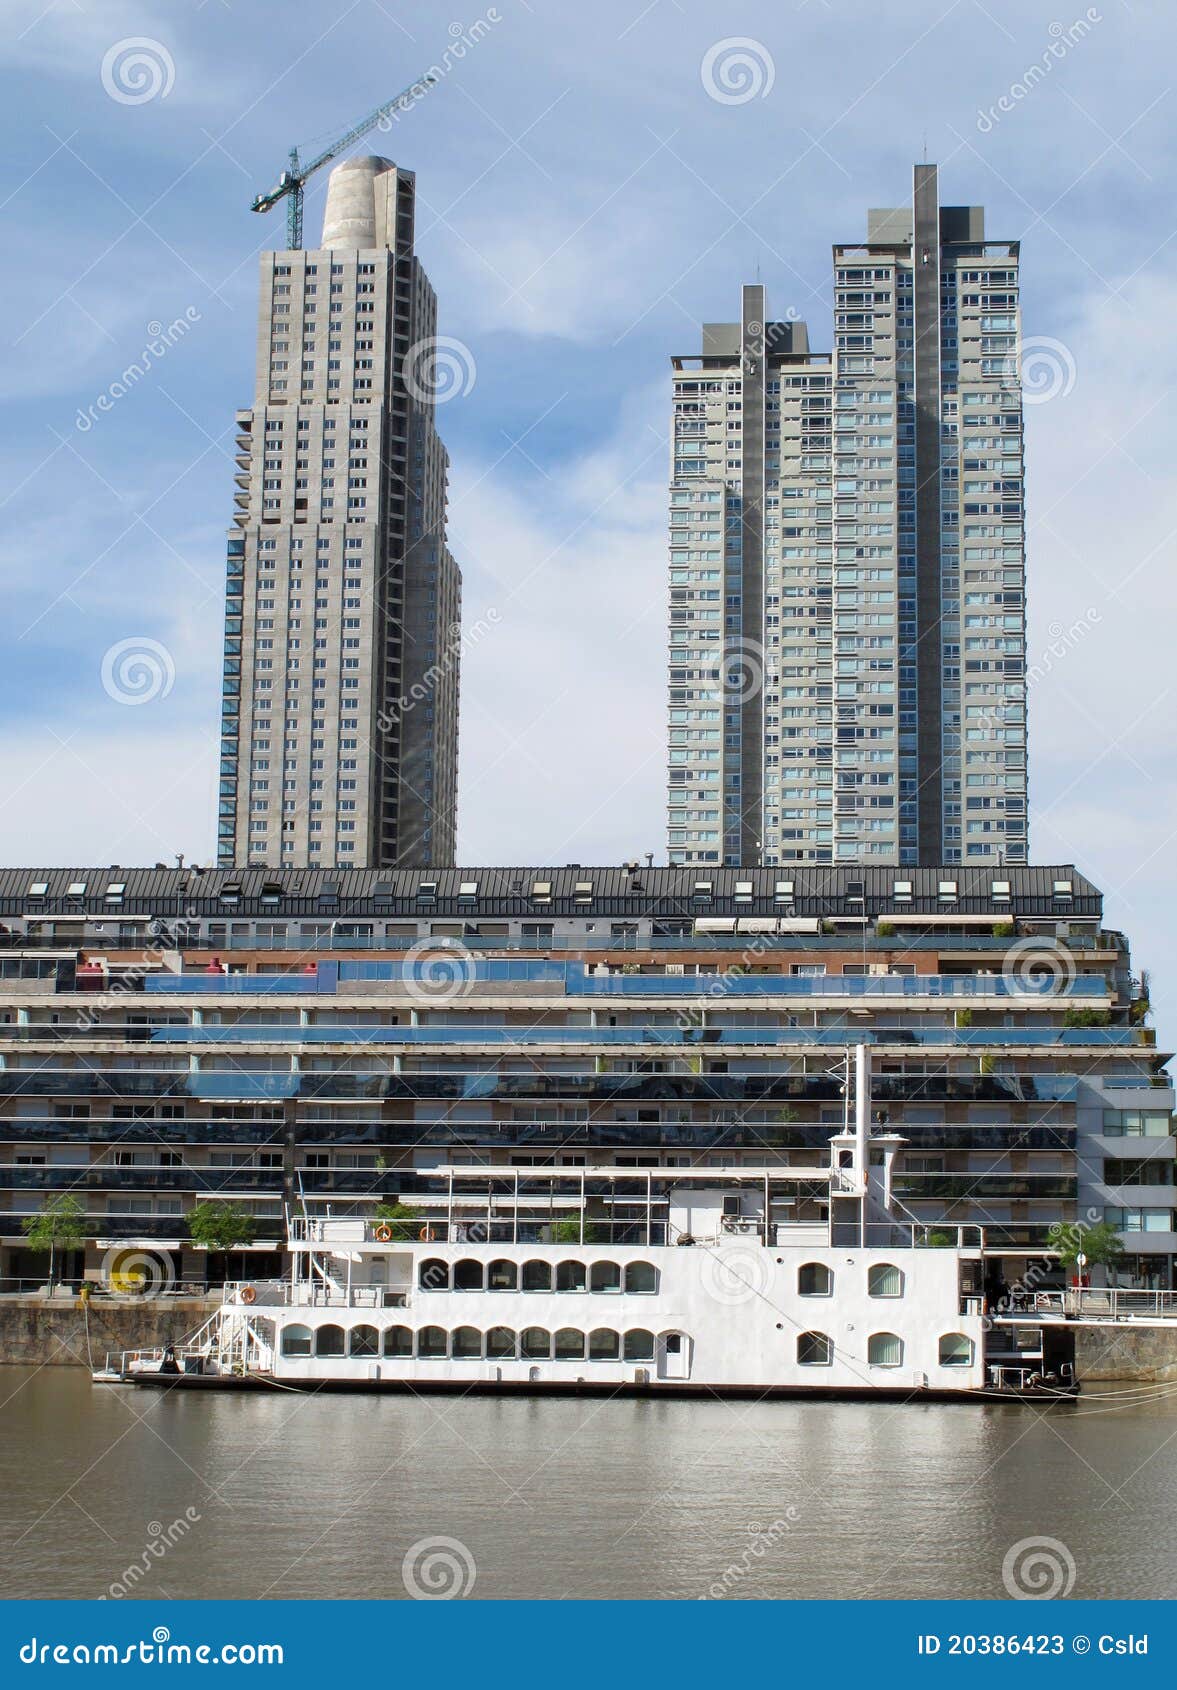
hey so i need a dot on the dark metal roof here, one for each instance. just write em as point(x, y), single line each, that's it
point(613, 890)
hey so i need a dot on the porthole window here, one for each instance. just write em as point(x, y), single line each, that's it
point(641, 1279)
point(537, 1276)
point(885, 1280)
point(467, 1342)
point(296, 1340)
point(364, 1341)
point(431, 1342)
point(815, 1279)
point(814, 1349)
point(604, 1345)
point(500, 1344)
point(502, 1276)
point(536, 1343)
point(639, 1346)
point(956, 1350)
point(398, 1341)
point(570, 1276)
point(605, 1276)
point(569, 1344)
point(467, 1276)
point(434, 1275)
point(329, 1341)
point(884, 1349)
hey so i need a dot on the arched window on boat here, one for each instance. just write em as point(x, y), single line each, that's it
point(296, 1340)
point(467, 1343)
point(434, 1274)
point(605, 1276)
point(815, 1279)
point(639, 1345)
point(432, 1342)
point(536, 1343)
point(885, 1280)
point(500, 1344)
point(364, 1341)
point(502, 1275)
point(604, 1345)
point(641, 1279)
point(570, 1276)
point(329, 1341)
point(398, 1341)
point(468, 1276)
point(814, 1349)
point(884, 1349)
point(569, 1344)
point(537, 1276)
point(956, 1350)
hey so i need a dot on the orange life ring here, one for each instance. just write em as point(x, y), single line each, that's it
point(249, 1294)
point(383, 1234)
point(426, 1235)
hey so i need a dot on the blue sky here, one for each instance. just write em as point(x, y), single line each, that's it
point(584, 201)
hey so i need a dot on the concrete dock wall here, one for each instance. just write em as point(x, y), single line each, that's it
point(1125, 1352)
point(39, 1332)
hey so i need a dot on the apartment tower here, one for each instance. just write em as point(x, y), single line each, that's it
point(340, 708)
point(847, 564)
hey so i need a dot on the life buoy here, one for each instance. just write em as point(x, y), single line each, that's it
point(249, 1294)
point(426, 1235)
point(383, 1235)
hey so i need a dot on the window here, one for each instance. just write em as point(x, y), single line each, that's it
point(329, 1341)
point(605, 1276)
point(884, 1349)
point(500, 1344)
point(956, 1350)
point(467, 1342)
point(467, 1276)
point(502, 1276)
point(431, 1342)
point(641, 1279)
point(296, 1340)
point(604, 1345)
point(1137, 1123)
point(814, 1349)
point(569, 1344)
point(433, 1275)
point(536, 1343)
point(639, 1345)
point(537, 1276)
point(815, 1279)
point(398, 1341)
point(570, 1276)
point(885, 1280)
point(365, 1341)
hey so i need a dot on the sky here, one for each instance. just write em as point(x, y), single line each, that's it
point(593, 182)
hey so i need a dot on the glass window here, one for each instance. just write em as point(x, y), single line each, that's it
point(536, 1343)
point(537, 1276)
point(956, 1350)
point(885, 1280)
point(884, 1349)
point(329, 1341)
point(296, 1340)
point(641, 1279)
point(434, 1275)
point(639, 1345)
point(814, 1349)
point(603, 1344)
point(569, 1344)
point(570, 1276)
point(398, 1341)
point(364, 1341)
point(431, 1341)
point(500, 1343)
point(467, 1276)
point(502, 1276)
point(814, 1279)
point(467, 1342)
point(605, 1276)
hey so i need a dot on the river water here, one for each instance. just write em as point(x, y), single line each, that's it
point(111, 1491)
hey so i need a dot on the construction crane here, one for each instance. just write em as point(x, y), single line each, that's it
point(293, 179)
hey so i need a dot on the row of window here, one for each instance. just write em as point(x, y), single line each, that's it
point(467, 1343)
point(637, 1278)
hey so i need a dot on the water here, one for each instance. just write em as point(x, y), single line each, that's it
point(302, 1496)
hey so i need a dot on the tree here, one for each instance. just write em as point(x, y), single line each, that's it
point(1101, 1244)
point(61, 1225)
point(221, 1226)
point(400, 1219)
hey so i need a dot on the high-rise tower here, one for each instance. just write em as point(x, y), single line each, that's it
point(847, 664)
point(339, 735)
